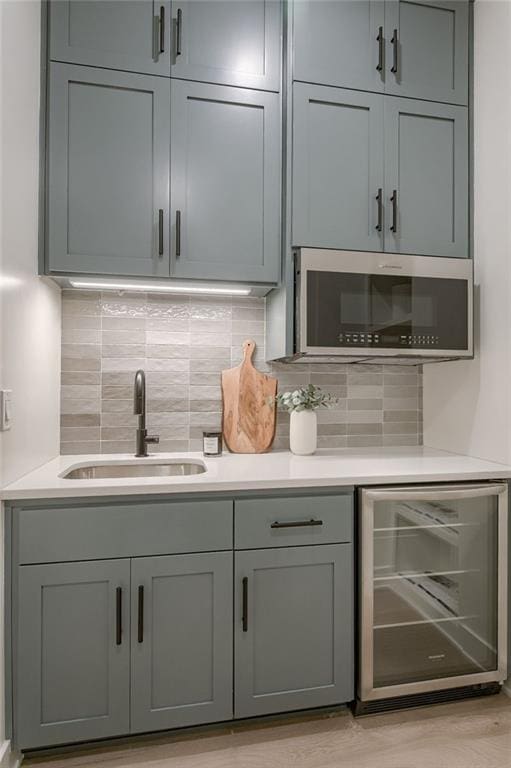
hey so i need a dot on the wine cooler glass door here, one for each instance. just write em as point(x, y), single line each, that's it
point(433, 588)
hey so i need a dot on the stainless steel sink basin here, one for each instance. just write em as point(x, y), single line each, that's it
point(162, 469)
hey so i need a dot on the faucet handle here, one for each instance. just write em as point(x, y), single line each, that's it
point(152, 439)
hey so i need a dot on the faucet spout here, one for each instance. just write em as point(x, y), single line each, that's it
point(139, 409)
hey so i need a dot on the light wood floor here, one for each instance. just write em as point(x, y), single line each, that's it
point(469, 734)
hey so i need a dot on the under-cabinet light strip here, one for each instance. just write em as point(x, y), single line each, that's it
point(157, 288)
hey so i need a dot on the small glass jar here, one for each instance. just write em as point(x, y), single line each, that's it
point(212, 443)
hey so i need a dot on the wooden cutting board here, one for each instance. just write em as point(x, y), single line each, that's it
point(248, 422)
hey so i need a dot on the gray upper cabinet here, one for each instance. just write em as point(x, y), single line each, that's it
point(337, 168)
point(230, 43)
point(293, 628)
point(339, 43)
point(181, 640)
point(131, 35)
point(427, 49)
point(426, 164)
point(413, 48)
point(108, 172)
point(72, 654)
point(225, 183)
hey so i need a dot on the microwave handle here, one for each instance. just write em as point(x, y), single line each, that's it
point(436, 494)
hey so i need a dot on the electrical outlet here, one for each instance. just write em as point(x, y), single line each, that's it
point(5, 409)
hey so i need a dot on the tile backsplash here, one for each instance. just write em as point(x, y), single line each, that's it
point(183, 343)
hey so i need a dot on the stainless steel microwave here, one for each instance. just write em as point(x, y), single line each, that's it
point(369, 307)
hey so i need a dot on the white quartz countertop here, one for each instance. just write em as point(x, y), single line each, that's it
point(278, 469)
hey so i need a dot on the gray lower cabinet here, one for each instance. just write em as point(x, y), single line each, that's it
point(225, 183)
point(72, 658)
point(337, 168)
point(108, 172)
point(293, 628)
point(426, 164)
point(181, 664)
point(337, 43)
point(230, 43)
point(427, 49)
point(132, 35)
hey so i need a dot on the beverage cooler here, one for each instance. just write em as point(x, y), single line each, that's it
point(433, 593)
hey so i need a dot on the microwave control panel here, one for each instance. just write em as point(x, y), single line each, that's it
point(388, 340)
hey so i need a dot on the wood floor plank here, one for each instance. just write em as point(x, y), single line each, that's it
point(467, 734)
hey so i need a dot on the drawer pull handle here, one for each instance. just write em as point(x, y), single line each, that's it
point(179, 30)
point(296, 524)
point(118, 616)
point(141, 614)
point(395, 61)
point(162, 29)
point(244, 612)
point(379, 40)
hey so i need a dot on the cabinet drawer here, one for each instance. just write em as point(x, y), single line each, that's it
point(292, 521)
point(90, 532)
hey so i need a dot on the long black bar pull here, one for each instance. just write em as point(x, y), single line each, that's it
point(393, 200)
point(244, 614)
point(379, 201)
point(395, 43)
point(178, 233)
point(140, 633)
point(296, 524)
point(179, 27)
point(160, 232)
point(162, 29)
point(118, 616)
point(379, 40)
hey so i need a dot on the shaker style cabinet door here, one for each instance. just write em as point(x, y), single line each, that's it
point(225, 183)
point(108, 172)
point(226, 42)
point(427, 49)
point(132, 35)
point(293, 628)
point(426, 178)
point(181, 669)
point(339, 43)
point(337, 168)
point(72, 652)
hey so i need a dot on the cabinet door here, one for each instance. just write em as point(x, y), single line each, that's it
point(337, 168)
point(132, 35)
point(231, 43)
point(108, 172)
point(339, 43)
point(181, 640)
point(293, 628)
point(426, 163)
point(427, 49)
point(72, 652)
point(225, 183)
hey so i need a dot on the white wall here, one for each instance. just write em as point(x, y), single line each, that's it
point(29, 306)
point(467, 405)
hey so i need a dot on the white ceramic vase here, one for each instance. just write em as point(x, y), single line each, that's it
point(303, 432)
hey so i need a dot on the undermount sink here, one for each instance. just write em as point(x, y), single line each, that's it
point(160, 469)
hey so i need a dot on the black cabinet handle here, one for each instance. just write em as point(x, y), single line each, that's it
point(379, 40)
point(395, 63)
point(160, 232)
point(178, 233)
point(140, 614)
point(162, 29)
point(379, 200)
point(118, 616)
point(393, 200)
point(179, 27)
point(244, 614)
point(296, 523)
